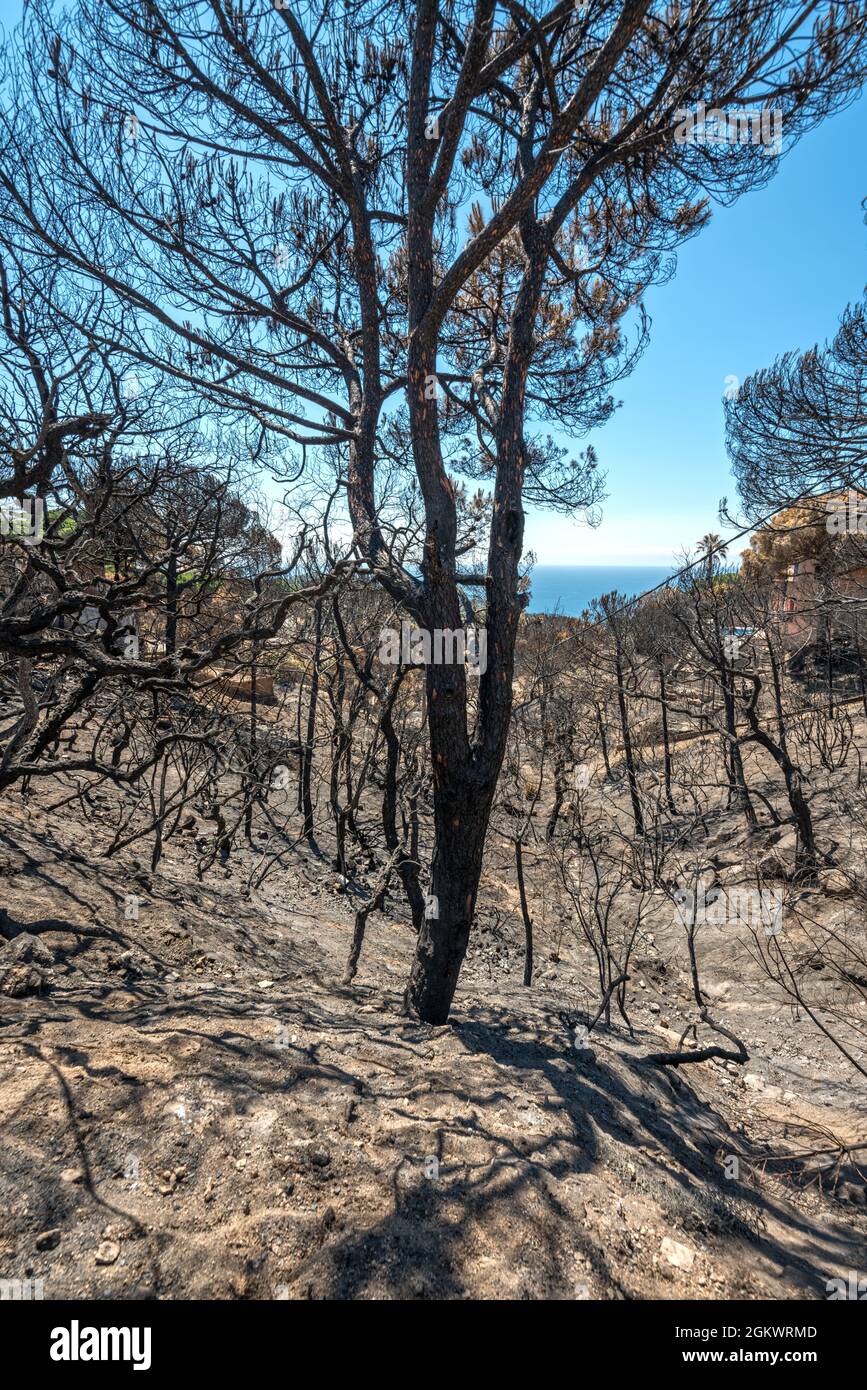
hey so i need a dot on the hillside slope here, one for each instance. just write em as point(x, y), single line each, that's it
point(192, 1105)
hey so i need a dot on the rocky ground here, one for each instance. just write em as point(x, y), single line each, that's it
point(193, 1105)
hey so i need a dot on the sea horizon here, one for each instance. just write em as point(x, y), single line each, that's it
point(569, 589)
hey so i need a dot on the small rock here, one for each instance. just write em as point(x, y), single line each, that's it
point(107, 1252)
point(678, 1255)
point(27, 949)
point(72, 1175)
point(48, 1240)
point(772, 866)
point(836, 883)
point(18, 980)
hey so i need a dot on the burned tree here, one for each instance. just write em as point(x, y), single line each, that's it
point(273, 202)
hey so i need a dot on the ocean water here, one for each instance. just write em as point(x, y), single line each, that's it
point(568, 589)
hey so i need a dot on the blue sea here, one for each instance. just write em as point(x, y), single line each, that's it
point(568, 589)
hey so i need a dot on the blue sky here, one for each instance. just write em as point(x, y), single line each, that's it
point(770, 274)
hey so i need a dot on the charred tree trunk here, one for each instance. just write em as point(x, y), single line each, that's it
point(560, 759)
point(310, 736)
point(628, 753)
point(738, 781)
point(829, 667)
point(339, 740)
point(461, 827)
point(252, 792)
point(407, 863)
point(666, 742)
point(373, 904)
point(171, 630)
point(777, 687)
point(806, 854)
point(525, 913)
point(603, 740)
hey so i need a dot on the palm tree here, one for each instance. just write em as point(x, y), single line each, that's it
point(710, 545)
